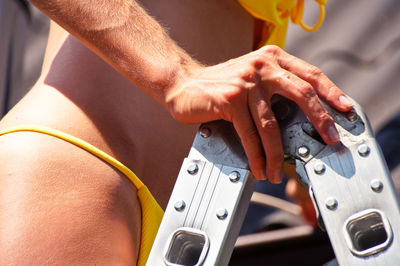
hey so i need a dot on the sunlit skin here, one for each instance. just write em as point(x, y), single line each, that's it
point(61, 205)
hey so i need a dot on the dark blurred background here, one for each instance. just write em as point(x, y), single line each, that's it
point(23, 37)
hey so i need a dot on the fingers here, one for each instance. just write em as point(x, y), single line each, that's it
point(248, 134)
point(301, 92)
point(268, 130)
point(325, 88)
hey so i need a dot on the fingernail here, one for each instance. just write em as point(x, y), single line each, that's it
point(264, 174)
point(333, 134)
point(345, 101)
point(276, 178)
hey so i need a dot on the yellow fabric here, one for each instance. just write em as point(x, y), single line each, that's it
point(296, 15)
point(268, 10)
point(278, 13)
point(151, 211)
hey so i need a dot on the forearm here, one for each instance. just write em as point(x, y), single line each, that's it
point(124, 35)
point(238, 90)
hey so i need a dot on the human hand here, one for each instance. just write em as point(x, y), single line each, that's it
point(240, 91)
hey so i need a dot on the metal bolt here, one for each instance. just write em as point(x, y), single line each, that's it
point(363, 150)
point(179, 205)
point(331, 203)
point(222, 213)
point(319, 168)
point(304, 151)
point(234, 176)
point(351, 116)
point(193, 168)
point(205, 132)
point(376, 185)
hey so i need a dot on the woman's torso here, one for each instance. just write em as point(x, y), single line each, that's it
point(80, 94)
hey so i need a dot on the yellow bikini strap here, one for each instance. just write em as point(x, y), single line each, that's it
point(277, 11)
point(276, 14)
point(296, 15)
point(151, 211)
point(80, 143)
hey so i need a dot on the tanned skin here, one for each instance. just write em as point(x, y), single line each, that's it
point(121, 82)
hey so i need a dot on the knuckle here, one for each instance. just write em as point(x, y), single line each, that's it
point(256, 62)
point(334, 91)
point(271, 49)
point(269, 124)
point(248, 73)
point(325, 118)
point(314, 73)
point(307, 92)
point(289, 61)
point(260, 64)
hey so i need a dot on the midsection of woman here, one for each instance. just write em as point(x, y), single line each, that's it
point(60, 204)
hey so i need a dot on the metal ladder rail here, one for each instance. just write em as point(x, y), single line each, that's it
point(349, 184)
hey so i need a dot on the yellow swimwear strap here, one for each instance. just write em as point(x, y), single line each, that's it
point(276, 15)
point(296, 15)
point(80, 143)
point(277, 11)
point(151, 211)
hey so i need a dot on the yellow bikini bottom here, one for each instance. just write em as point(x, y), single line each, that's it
point(151, 211)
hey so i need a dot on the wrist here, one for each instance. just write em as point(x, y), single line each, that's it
point(183, 72)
